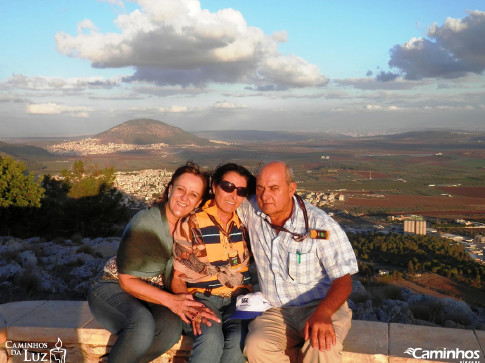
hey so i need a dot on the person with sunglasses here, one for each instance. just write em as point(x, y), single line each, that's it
point(211, 260)
point(304, 262)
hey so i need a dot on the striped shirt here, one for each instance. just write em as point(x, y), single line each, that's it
point(202, 252)
point(295, 273)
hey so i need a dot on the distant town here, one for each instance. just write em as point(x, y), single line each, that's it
point(92, 146)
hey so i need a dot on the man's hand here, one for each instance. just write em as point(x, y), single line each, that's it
point(319, 329)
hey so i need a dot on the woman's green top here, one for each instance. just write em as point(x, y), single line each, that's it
point(146, 245)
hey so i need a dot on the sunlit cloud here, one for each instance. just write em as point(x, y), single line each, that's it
point(174, 109)
point(452, 50)
point(176, 42)
point(223, 105)
point(55, 109)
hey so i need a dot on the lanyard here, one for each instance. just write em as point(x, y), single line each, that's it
point(298, 237)
point(230, 251)
point(222, 230)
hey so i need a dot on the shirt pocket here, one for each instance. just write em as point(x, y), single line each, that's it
point(303, 268)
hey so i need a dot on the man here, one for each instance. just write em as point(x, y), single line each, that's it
point(304, 262)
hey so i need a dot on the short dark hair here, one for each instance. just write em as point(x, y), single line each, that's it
point(191, 168)
point(221, 170)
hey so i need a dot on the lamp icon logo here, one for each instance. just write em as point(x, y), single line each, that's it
point(58, 354)
point(410, 351)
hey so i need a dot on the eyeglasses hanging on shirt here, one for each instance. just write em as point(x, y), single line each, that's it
point(298, 237)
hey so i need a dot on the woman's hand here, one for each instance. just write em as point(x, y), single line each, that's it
point(204, 315)
point(188, 309)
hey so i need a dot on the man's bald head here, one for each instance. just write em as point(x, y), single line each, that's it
point(276, 166)
point(275, 189)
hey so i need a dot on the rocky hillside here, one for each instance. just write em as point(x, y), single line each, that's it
point(147, 131)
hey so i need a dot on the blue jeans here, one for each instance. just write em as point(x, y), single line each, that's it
point(222, 342)
point(145, 331)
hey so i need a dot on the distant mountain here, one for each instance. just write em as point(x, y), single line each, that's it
point(435, 135)
point(258, 135)
point(25, 152)
point(147, 131)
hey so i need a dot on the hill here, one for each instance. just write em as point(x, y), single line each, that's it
point(435, 136)
point(265, 136)
point(147, 131)
point(25, 152)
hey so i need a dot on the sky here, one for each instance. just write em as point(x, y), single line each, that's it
point(80, 67)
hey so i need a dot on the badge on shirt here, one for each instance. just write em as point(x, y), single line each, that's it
point(319, 234)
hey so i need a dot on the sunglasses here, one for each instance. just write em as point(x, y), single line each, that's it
point(228, 187)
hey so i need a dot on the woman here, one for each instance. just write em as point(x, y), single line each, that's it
point(129, 297)
point(211, 259)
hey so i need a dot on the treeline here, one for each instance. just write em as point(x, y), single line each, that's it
point(415, 253)
point(81, 203)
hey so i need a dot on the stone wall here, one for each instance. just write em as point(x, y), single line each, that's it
point(45, 325)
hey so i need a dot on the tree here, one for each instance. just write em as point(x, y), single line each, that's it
point(93, 204)
point(411, 267)
point(17, 187)
point(86, 180)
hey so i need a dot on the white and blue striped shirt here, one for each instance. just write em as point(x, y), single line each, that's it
point(296, 273)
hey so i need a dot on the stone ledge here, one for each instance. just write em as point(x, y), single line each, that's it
point(85, 340)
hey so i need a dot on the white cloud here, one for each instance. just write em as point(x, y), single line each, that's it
point(114, 2)
point(55, 109)
point(223, 105)
point(454, 49)
point(373, 108)
point(86, 24)
point(176, 42)
point(174, 109)
point(19, 81)
point(376, 84)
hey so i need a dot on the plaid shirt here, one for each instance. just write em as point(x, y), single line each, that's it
point(296, 273)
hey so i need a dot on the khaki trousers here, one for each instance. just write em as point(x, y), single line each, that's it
point(278, 336)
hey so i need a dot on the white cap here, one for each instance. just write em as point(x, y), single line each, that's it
point(250, 306)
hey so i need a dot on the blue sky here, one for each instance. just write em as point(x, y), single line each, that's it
point(79, 67)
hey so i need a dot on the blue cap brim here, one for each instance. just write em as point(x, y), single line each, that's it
point(245, 314)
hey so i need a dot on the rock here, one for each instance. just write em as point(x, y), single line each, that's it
point(363, 311)
point(27, 259)
point(85, 258)
point(406, 293)
point(458, 311)
point(107, 248)
point(10, 270)
point(453, 324)
point(11, 245)
point(51, 284)
point(395, 311)
point(421, 299)
point(359, 293)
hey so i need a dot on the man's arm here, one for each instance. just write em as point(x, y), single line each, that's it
point(319, 327)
